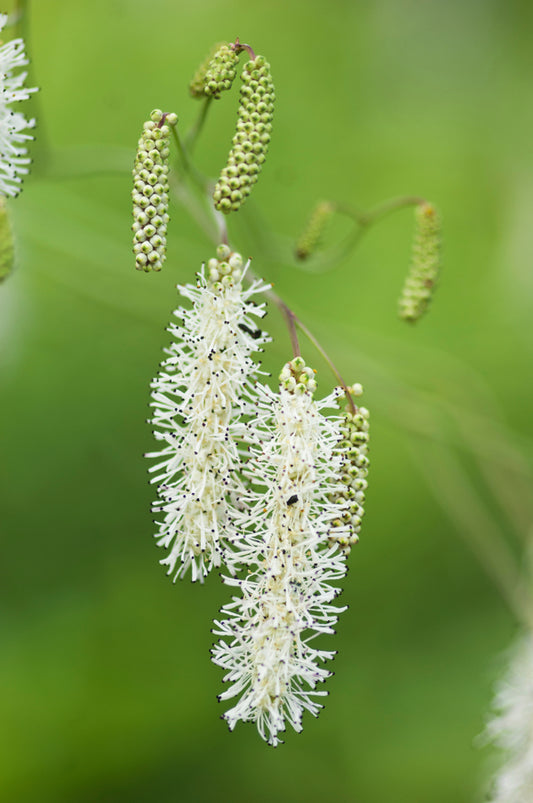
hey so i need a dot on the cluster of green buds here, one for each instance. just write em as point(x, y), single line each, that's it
point(7, 245)
point(296, 377)
point(252, 137)
point(310, 237)
point(197, 84)
point(224, 270)
point(150, 192)
point(354, 449)
point(220, 71)
point(425, 264)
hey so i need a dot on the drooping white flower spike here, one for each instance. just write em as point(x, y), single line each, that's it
point(285, 527)
point(197, 401)
point(13, 124)
point(511, 728)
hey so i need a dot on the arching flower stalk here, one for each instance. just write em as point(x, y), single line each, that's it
point(197, 408)
point(511, 728)
point(266, 644)
point(13, 124)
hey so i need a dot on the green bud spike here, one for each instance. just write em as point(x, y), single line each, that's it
point(312, 234)
point(221, 70)
point(150, 192)
point(252, 137)
point(197, 85)
point(425, 264)
point(225, 270)
point(7, 245)
point(297, 377)
point(354, 471)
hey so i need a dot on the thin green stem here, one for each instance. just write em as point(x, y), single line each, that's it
point(293, 321)
point(365, 219)
point(290, 319)
point(194, 132)
point(329, 361)
point(362, 222)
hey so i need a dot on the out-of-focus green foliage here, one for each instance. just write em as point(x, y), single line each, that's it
point(106, 688)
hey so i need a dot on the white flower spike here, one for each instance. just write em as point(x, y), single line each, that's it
point(13, 124)
point(283, 543)
point(511, 728)
point(197, 401)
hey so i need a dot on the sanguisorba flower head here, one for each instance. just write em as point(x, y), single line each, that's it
point(252, 137)
point(13, 125)
point(197, 407)
point(425, 264)
point(150, 192)
point(267, 634)
point(511, 727)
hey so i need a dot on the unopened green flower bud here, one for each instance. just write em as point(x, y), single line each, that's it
point(197, 85)
point(296, 377)
point(150, 193)
point(353, 447)
point(311, 236)
point(224, 270)
point(425, 264)
point(252, 137)
point(7, 246)
point(220, 71)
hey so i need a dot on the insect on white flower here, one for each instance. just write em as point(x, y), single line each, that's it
point(13, 124)
point(266, 644)
point(197, 401)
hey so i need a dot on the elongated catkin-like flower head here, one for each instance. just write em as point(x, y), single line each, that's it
point(13, 125)
point(197, 84)
point(311, 236)
point(221, 70)
point(425, 264)
point(197, 402)
point(150, 192)
point(252, 137)
point(281, 539)
point(511, 728)
point(353, 449)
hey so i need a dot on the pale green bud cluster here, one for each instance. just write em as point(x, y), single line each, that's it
point(225, 270)
point(7, 245)
point(150, 192)
point(221, 71)
point(197, 85)
point(251, 140)
point(425, 264)
point(312, 234)
point(296, 377)
point(354, 448)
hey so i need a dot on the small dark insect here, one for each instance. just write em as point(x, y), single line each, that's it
point(255, 333)
point(292, 499)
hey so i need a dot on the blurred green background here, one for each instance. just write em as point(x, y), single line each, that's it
point(106, 688)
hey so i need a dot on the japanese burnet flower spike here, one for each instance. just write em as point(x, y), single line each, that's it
point(288, 536)
point(268, 485)
point(14, 127)
point(197, 406)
